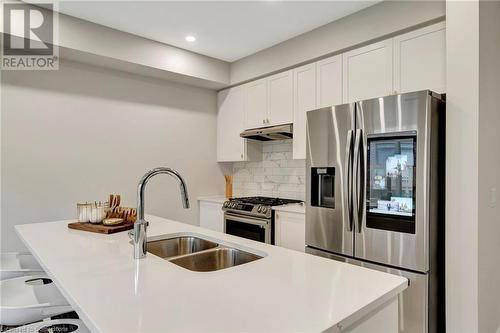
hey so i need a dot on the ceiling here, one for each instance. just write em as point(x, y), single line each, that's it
point(227, 30)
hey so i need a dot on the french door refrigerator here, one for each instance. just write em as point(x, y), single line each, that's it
point(375, 194)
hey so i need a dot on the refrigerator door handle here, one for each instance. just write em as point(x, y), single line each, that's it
point(362, 176)
point(359, 179)
point(348, 182)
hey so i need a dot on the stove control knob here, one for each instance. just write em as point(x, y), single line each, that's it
point(263, 210)
point(234, 205)
point(225, 204)
point(259, 209)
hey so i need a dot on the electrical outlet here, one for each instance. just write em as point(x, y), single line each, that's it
point(493, 197)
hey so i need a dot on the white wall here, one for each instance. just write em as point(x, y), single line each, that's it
point(473, 157)
point(462, 110)
point(489, 167)
point(89, 42)
point(380, 20)
point(83, 132)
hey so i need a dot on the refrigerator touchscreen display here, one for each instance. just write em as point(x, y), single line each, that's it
point(391, 182)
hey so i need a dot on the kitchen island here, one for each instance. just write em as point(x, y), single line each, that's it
point(284, 291)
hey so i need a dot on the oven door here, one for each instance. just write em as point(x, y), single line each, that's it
point(249, 227)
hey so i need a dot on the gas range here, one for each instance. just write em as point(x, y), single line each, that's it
point(260, 207)
point(252, 217)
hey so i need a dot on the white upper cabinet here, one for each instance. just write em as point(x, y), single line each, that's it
point(269, 101)
point(304, 99)
point(230, 123)
point(329, 81)
point(409, 62)
point(256, 103)
point(420, 60)
point(280, 98)
point(367, 72)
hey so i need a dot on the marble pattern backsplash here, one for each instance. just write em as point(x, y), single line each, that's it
point(277, 175)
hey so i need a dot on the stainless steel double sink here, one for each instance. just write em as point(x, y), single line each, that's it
point(197, 254)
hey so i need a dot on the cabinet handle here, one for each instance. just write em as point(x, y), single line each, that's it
point(241, 156)
point(267, 120)
point(263, 121)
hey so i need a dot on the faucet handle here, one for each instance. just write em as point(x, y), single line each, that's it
point(131, 234)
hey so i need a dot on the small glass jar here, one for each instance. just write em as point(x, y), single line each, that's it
point(83, 211)
point(98, 211)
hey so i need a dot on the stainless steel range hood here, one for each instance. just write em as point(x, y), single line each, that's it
point(279, 132)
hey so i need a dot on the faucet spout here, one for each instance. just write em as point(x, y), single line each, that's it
point(140, 225)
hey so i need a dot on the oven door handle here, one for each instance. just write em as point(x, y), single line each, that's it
point(254, 220)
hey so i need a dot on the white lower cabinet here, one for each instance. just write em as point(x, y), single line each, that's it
point(211, 215)
point(290, 230)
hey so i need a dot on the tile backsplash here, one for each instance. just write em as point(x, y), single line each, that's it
point(277, 175)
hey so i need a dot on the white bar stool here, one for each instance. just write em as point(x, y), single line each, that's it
point(15, 264)
point(52, 326)
point(27, 299)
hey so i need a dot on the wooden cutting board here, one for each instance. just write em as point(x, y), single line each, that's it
point(101, 228)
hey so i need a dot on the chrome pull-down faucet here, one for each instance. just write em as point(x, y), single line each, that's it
point(140, 225)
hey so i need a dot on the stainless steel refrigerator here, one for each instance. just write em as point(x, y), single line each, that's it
point(375, 194)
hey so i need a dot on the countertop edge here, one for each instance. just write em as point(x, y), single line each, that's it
point(364, 311)
point(215, 199)
point(334, 326)
point(298, 208)
point(83, 316)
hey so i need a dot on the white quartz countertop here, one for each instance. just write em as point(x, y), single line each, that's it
point(217, 199)
point(286, 291)
point(299, 208)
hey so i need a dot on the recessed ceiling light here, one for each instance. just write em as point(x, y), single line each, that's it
point(190, 38)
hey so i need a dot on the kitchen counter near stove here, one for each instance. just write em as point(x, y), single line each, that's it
point(285, 291)
point(214, 199)
point(299, 208)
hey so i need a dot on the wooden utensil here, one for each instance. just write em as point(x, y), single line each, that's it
point(112, 221)
point(229, 186)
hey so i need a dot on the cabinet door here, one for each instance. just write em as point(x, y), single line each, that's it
point(230, 123)
point(304, 95)
point(211, 216)
point(329, 81)
point(256, 103)
point(420, 60)
point(290, 230)
point(280, 98)
point(367, 72)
